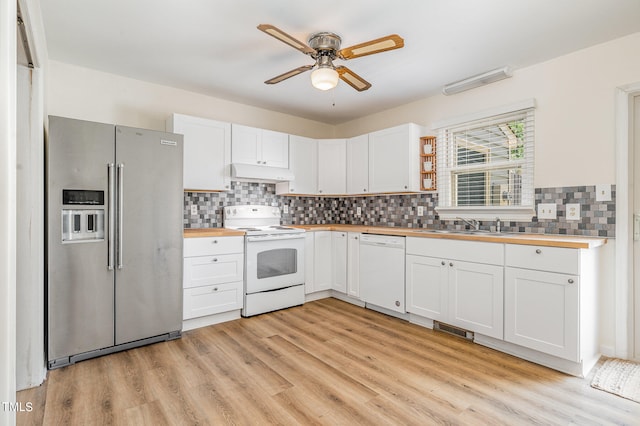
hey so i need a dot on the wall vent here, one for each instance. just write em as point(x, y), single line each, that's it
point(450, 329)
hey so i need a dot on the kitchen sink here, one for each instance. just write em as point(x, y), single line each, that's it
point(457, 231)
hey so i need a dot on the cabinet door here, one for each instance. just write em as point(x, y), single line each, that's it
point(309, 256)
point(541, 311)
point(339, 252)
point(427, 287)
point(207, 152)
point(206, 270)
point(211, 299)
point(245, 144)
point(275, 149)
point(303, 162)
point(358, 165)
point(332, 166)
point(394, 159)
point(476, 297)
point(353, 264)
point(323, 265)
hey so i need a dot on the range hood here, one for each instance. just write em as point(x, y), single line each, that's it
point(253, 173)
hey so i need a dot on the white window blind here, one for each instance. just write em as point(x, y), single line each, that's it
point(487, 165)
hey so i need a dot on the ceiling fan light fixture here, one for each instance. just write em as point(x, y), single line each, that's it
point(324, 78)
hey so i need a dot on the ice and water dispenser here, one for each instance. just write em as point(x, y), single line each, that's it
point(82, 215)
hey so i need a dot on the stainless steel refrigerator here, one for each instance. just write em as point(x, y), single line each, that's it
point(114, 238)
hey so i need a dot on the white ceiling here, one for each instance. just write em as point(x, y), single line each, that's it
point(213, 46)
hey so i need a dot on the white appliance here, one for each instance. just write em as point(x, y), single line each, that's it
point(274, 258)
point(382, 271)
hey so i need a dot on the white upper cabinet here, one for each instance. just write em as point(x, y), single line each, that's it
point(358, 165)
point(303, 163)
point(207, 152)
point(332, 166)
point(394, 159)
point(259, 147)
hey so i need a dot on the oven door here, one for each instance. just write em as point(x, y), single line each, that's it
point(274, 261)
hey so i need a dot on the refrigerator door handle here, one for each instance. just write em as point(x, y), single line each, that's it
point(112, 222)
point(120, 211)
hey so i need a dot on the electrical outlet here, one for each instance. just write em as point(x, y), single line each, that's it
point(420, 210)
point(603, 192)
point(285, 209)
point(194, 209)
point(358, 211)
point(573, 211)
point(547, 211)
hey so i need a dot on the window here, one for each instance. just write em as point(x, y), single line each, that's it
point(485, 167)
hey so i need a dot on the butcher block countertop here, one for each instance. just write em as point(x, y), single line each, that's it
point(212, 232)
point(548, 240)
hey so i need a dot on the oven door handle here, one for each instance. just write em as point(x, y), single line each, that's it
point(258, 238)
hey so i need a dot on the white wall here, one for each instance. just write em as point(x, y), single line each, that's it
point(575, 114)
point(7, 208)
point(92, 95)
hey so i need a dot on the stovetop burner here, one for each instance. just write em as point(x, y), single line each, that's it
point(256, 220)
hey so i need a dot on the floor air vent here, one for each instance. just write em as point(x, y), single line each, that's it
point(465, 334)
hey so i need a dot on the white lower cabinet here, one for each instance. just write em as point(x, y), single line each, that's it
point(476, 297)
point(339, 261)
point(542, 300)
point(212, 275)
point(427, 287)
point(465, 294)
point(322, 261)
point(353, 264)
point(541, 311)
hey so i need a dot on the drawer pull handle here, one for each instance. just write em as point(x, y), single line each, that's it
point(538, 251)
point(570, 280)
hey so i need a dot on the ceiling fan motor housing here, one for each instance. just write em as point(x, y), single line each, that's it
point(325, 44)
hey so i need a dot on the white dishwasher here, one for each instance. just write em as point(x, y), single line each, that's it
point(382, 271)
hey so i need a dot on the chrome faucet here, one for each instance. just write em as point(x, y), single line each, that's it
point(498, 225)
point(475, 224)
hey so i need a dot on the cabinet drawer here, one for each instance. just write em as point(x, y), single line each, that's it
point(212, 299)
point(213, 245)
point(207, 270)
point(467, 251)
point(552, 259)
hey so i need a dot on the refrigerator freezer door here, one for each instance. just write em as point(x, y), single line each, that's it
point(148, 288)
point(80, 285)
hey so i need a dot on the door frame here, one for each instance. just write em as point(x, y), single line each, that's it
point(625, 343)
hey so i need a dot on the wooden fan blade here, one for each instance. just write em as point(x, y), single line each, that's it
point(286, 38)
point(382, 44)
point(289, 74)
point(352, 79)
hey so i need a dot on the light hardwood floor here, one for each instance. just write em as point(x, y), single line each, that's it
point(327, 362)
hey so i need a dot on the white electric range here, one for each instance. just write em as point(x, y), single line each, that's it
point(274, 258)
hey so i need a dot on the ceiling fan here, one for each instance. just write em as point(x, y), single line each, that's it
point(324, 47)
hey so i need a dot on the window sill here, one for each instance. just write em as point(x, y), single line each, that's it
point(517, 214)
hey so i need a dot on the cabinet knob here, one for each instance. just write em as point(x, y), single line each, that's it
point(570, 280)
point(397, 303)
point(538, 251)
point(226, 186)
point(320, 191)
point(443, 263)
point(215, 241)
point(215, 259)
point(450, 263)
point(405, 187)
point(258, 161)
point(291, 190)
point(215, 289)
point(356, 238)
point(364, 190)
